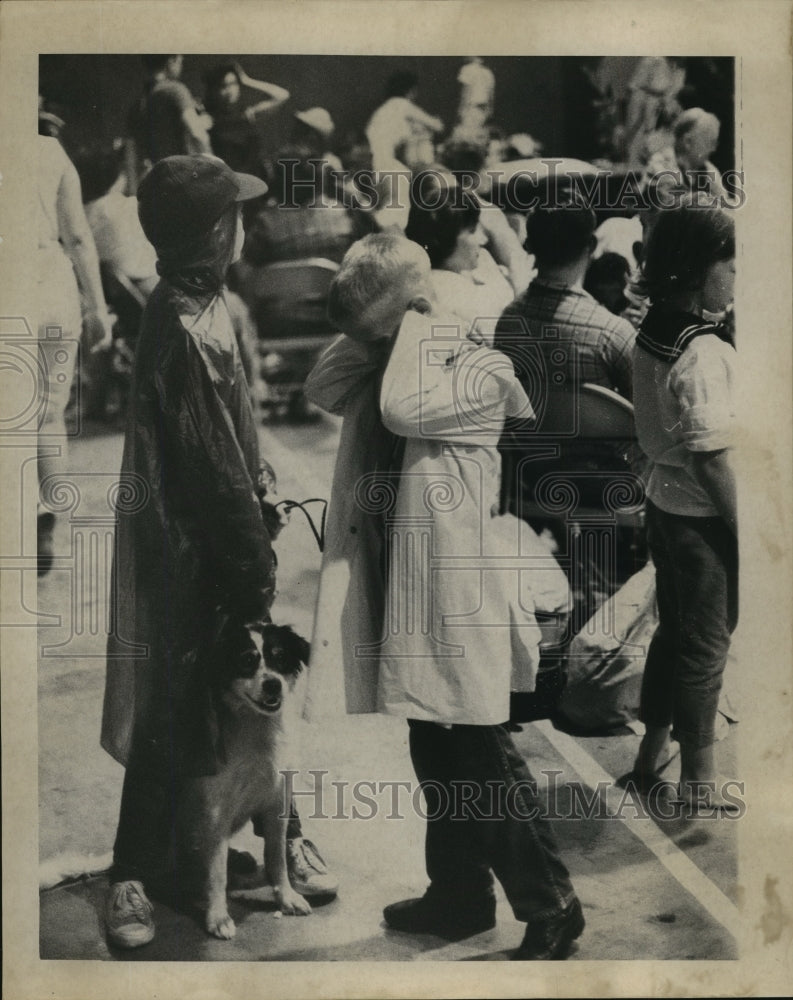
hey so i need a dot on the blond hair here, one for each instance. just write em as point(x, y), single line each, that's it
point(375, 268)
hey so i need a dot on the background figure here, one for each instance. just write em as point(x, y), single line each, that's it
point(166, 120)
point(113, 216)
point(314, 129)
point(65, 249)
point(400, 132)
point(234, 135)
point(466, 160)
point(477, 89)
point(466, 280)
point(605, 280)
point(684, 371)
point(653, 88)
point(556, 309)
point(687, 163)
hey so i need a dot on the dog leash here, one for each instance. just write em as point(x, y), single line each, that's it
point(319, 536)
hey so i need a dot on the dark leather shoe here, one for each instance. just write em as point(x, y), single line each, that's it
point(447, 919)
point(551, 941)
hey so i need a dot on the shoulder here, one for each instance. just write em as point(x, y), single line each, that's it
point(52, 155)
point(616, 328)
point(707, 353)
point(175, 91)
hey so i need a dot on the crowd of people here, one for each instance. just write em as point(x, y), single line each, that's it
point(642, 306)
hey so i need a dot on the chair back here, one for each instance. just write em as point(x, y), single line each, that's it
point(288, 298)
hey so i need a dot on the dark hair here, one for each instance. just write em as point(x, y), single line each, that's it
point(440, 209)
point(213, 81)
point(154, 64)
point(301, 182)
point(98, 165)
point(562, 233)
point(682, 246)
point(610, 269)
point(401, 83)
point(463, 156)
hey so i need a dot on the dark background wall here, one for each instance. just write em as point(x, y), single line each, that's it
point(548, 97)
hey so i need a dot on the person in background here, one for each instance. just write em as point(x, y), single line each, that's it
point(165, 120)
point(466, 281)
point(558, 312)
point(466, 161)
point(477, 90)
point(400, 132)
point(653, 93)
point(687, 162)
point(66, 257)
point(234, 136)
point(112, 215)
point(301, 217)
point(684, 375)
point(313, 129)
point(605, 280)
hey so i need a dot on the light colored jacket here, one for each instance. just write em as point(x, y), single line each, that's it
point(458, 630)
point(351, 593)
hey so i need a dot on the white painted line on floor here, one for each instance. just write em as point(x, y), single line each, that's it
point(676, 862)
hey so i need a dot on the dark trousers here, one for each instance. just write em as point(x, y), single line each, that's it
point(479, 800)
point(146, 837)
point(696, 570)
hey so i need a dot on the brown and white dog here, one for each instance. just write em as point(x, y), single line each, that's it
point(255, 671)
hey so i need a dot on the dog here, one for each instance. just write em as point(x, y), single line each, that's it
point(253, 673)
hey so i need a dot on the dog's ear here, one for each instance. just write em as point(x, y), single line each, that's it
point(233, 653)
point(284, 650)
point(303, 648)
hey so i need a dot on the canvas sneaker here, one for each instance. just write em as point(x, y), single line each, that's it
point(128, 915)
point(308, 873)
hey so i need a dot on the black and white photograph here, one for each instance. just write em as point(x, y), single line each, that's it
point(396, 550)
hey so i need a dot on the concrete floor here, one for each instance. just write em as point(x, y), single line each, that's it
point(651, 889)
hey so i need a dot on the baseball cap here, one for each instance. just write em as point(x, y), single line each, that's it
point(183, 196)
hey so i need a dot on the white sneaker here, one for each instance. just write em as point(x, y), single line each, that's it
point(128, 915)
point(308, 873)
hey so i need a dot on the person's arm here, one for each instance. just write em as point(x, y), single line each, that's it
point(619, 357)
point(418, 116)
point(276, 96)
point(342, 371)
point(701, 382)
point(75, 235)
point(427, 393)
point(202, 456)
point(505, 247)
point(714, 473)
point(197, 126)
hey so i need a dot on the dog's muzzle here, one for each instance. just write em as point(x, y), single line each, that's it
point(272, 694)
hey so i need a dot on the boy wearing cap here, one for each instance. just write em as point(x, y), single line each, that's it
point(193, 535)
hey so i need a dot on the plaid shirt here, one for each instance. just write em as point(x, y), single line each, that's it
point(557, 317)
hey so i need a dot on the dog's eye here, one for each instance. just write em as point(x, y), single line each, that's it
point(249, 662)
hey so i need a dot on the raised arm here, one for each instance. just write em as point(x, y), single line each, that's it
point(342, 371)
point(275, 95)
point(436, 388)
point(197, 125)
